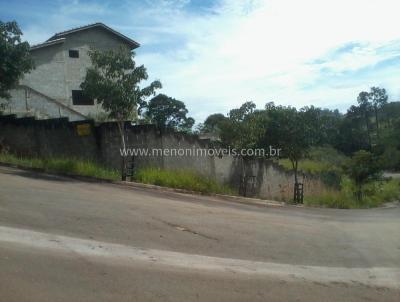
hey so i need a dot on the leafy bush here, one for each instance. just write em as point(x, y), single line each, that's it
point(375, 194)
point(181, 179)
point(390, 190)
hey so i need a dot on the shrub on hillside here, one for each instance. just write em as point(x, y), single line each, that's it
point(362, 168)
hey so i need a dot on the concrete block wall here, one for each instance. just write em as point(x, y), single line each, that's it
point(27, 102)
point(48, 77)
point(187, 144)
point(145, 136)
point(47, 138)
point(60, 138)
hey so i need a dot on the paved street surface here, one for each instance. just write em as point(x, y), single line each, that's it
point(66, 240)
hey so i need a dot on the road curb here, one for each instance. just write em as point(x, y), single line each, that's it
point(239, 199)
point(231, 198)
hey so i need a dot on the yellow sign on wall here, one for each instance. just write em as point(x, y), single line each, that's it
point(83, 129)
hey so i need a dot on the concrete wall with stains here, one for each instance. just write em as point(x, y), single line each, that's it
point(60, 138)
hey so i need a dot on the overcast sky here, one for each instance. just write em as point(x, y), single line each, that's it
point(216, 54)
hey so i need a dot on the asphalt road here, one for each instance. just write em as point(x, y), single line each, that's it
point(68, 240)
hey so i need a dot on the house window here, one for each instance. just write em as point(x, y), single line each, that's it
point(78, 98)
point(73, 53)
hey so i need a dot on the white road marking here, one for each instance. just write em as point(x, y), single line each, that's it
point(372, 276)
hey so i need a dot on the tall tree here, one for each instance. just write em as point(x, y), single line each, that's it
point(329, 126)
point(114, 80)
point(378, 98)
point(352, 133)
point(167, 112)
point(15, 59)
point(363, 100)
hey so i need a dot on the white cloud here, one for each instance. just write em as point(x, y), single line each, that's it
point(260, 50)
point(290, 51)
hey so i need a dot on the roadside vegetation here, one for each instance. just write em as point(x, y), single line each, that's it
point(348, 151)
point(181, 179)
point(318, 160)
point(178, 179)
point(374, 194)
point(67, 166)
point(354, 182)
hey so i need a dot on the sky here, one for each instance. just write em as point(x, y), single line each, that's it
point(215, 55)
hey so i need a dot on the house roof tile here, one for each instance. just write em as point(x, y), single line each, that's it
point(133, 44)
point(47, 43)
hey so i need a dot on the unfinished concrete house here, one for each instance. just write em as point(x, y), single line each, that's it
point(52, 89)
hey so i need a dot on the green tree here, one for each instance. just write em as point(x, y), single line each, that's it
point(114, 81)
point(284, 128)
point(390, 139)
point(242, 112)
point(389, 113)
point(378, 99)
point(15, 59)
point(288, 130)
point(362, 168)
point(365, 106)
point(352, 133)
point(167, 112)
point(212, 124)
point(243, 128)
point(322, 125)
